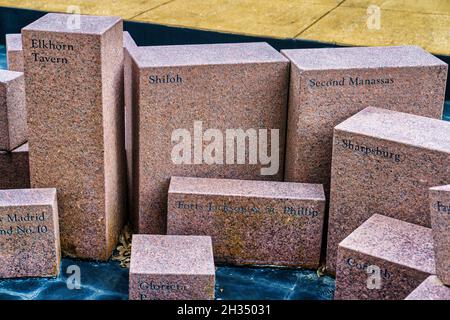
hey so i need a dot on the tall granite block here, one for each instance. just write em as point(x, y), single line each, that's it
point(15, 169)
point(171, 268)
point(211, 111)
point(329, 85)
point(440, 222)
point(384, 259)
point(384, 162)
point(431, 289)
point(29, 233)
point(74, 86)
point(13, 112)
point(14, 52)
point(250, 222)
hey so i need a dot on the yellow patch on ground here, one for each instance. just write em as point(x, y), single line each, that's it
point(349, 26)
point(421, 6)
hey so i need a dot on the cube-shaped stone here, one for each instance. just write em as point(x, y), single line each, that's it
point(14, 53)
point(440, 223)
point(15, 169)
point(384, 259)
point(384, 162)
point(13, 112)
point(431, 289)
point(331, 84)
point(250, 222)
point(210, 111)
point(171, 268)
point(74, 89)
point(29, 233)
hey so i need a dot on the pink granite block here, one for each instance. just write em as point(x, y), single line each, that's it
point(74, 86)
point(14, 52)
point(431, 289)
point(171, 268)
point(384, 259)
point(13, 112)
point(179, 93)
point(15, 169)
point(250, 222)
point(440, 223)
point(29, 233)
point(329, 85)
point(384, 162)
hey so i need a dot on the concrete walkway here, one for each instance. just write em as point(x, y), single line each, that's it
point(351, 22)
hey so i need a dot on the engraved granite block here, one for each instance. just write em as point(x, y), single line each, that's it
point(29, 234)
point(15, 169)
point(14, 53)
point(211, 111)
point(384, 162)
point(431, 289)
point(384, 259)
point(74, 86)
point(171, 268)
point(250, 222)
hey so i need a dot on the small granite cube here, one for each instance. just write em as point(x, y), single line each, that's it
point(440, 223)
point(385, 259)
point(431, 289)
point(251, 222)
point(13, 112)
point(29, 233)
point(14, 53)
point(171, 268)
point(384, 162)
point(328, 85)
point(15, 169)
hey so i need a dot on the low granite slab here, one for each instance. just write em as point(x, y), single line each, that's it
point(251, 222)
point(29, 233)
point(431, 289)
point(171, 268)
point(15, 169)
point(14, 52)
point(385, 259)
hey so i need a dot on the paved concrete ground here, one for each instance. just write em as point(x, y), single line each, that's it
point(352, 22)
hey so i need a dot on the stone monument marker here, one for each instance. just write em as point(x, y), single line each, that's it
point(14, 53)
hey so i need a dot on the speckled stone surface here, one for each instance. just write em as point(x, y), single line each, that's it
point(431, 289)
point(250, 222)
point(13, 112)
point(402, 251)
point(384, 162)
point(15, 169)
point(225, 86)
point(171, 268)
point(29, 233)
point(14, 52)
point(74, 85)
point(406, 79)
point(440, 223)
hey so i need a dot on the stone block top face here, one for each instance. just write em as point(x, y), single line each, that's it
point(206, 54)
point(7, 75)
point(445, 188)
point(431, 289)
point(22, 148)
point(247, 188)
point(14, 42)
point(400, 127)
point(361, 58)
point(65, 23)
point(27, 197)
point(128, 41)
point(395, 241)
point(174, 255)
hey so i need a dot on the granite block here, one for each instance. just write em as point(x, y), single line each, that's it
point(171, 268)
point(74, 86)
point(431, 289)
point(14, 52)
point(384, 162)
point(440, 223)
point(189, 101)
point(13, 112)
point(384, 259)
point(329, 85)
point(29, 233)
point(15, 169)
point(250, 222)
